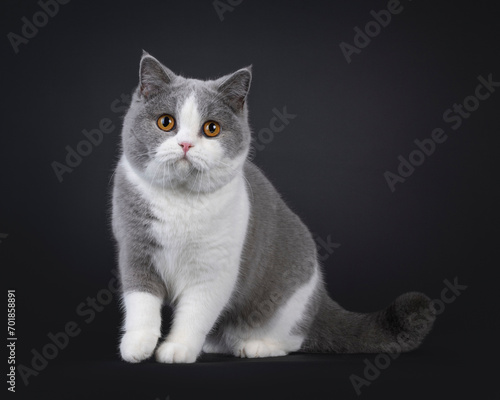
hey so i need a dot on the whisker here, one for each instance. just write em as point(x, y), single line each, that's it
point(154, 175)
point(198, 173)
point(199, 188)
point(112, 175)
point(170, 178)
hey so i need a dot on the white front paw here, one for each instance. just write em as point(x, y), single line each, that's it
point(137, 346)
point(170, 353)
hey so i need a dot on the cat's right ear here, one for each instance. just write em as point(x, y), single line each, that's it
point(234, 88)
point(153, 76)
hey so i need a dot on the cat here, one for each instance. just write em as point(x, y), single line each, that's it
point(198, 226)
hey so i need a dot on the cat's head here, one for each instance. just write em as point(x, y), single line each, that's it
point(186, 133)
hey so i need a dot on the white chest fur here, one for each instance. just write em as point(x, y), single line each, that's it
point(201, 235)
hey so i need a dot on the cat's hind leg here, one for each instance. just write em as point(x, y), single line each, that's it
point(279, 335)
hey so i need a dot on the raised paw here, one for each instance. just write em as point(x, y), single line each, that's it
point(259, 348)
point(137, 346)
point(170, 353)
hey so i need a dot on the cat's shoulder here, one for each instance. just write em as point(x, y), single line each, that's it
point(255, 176)
point(124, 178)
point(258, 182)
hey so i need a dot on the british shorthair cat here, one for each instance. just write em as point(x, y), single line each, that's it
point(199, 227)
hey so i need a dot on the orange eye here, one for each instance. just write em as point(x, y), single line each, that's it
point(211, 128)
point(166, 122)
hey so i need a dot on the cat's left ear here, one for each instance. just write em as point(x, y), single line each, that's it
point(234, 88)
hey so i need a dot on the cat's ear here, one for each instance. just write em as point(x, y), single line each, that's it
point(153, 76)
point(234, 88)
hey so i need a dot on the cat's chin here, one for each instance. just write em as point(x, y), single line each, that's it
point(183, 168)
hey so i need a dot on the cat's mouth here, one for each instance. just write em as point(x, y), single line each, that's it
point(184, 160)
point(181, 166)
point(186, 165)
point(193, 161)
point(176, 160)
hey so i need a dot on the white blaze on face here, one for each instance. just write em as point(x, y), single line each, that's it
point(189, 122)
point(204, 153)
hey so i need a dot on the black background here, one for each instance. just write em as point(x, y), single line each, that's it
point(352, 122)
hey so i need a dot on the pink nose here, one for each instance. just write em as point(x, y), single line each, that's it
point(185, 146)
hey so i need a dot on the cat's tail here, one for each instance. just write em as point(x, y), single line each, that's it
point(400, 327)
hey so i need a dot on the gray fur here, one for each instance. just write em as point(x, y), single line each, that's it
point(279, 253)
point(131, 223)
